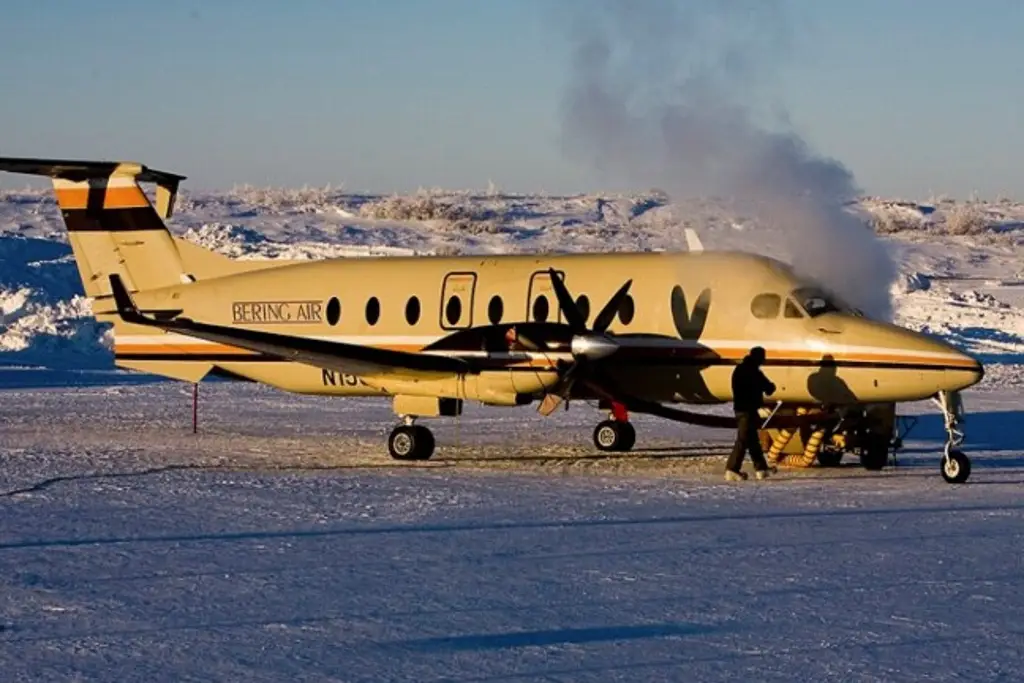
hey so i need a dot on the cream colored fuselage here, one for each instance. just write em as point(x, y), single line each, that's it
point(667, 353)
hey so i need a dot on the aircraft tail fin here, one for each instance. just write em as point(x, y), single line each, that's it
point(112, 226)
point(693, 242)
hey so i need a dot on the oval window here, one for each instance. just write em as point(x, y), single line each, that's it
point(453, 310)
point(333, 311)
point(626, 310)
point(372, 310)
point(495, 309)
point(412, 310)
point(766, 306)
point(583, 304)
point(541, 308)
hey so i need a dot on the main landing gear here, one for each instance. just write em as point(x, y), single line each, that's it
point(411, 442)
point(956, 467)
point(615, 434)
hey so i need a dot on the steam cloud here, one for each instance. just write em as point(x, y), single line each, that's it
point(663, 94)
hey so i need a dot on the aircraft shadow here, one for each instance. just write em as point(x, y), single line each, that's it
point(342, 532)
point(988, 431)
point(660, 453)
point(567, 636)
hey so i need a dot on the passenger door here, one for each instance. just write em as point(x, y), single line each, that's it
point(457, 294)
point(541, 302)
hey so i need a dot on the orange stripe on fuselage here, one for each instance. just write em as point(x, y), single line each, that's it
point(817, 357)
point(130, 197)
point(706, 354)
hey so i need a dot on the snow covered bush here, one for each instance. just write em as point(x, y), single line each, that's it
point(424, 207)
point(966, 219)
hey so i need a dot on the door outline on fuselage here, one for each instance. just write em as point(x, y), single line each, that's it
point(456, 283)
point(547, 290)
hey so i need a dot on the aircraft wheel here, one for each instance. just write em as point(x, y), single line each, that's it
point(628, 436)
point(875, 454)
point(956, 467)
point(614, 436)
point(830, 457)
point(411, 443)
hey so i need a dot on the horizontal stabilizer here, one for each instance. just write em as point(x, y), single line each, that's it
point(78, 171)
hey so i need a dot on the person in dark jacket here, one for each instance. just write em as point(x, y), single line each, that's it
point(749, 387)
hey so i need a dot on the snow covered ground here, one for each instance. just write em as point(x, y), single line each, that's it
point(280, 543)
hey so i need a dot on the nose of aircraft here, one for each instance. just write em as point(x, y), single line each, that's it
point(946, 367)
point(960, 370)
point(970, 373)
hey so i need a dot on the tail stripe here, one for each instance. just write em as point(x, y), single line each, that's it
point(111, 197)
point(113, 220)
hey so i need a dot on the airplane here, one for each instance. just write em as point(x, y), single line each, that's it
point(637, 332)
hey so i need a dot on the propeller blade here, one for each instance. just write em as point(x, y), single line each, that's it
point(604, 319)
point(549, 404)
point(570, 310)
point(558, 393)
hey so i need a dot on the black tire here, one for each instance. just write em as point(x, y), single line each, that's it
point(627, 437)
point(608, 435)
point(830, 457)
point(956, 468)
point(403, 443)
point(874, 455)
point(424, 443)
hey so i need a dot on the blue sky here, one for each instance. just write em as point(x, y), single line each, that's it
point(917, 98)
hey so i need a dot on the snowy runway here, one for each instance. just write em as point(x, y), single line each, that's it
point(152, 554)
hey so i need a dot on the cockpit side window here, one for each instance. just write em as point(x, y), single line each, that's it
point(815, 301)
point(766, 306)
point(792, 310)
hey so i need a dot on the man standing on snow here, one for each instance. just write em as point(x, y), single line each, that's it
point(749, 386)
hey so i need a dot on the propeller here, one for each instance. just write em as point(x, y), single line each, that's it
point(586, 344)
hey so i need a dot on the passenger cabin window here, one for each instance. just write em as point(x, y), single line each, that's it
point(627, 309)
point(453, 310)
point(766, 306)
point(792, 310)
point(583, 304)
point(412, 310)
point(372, 310)
point(495, 309)
point(541, 309)
point(333, 311)
point(815, 301)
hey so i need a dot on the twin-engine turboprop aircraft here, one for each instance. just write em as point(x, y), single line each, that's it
point(637, 332)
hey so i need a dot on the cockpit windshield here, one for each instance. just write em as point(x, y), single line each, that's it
point(816, 301)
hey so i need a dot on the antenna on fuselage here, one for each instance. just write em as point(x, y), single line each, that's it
point(693, 242)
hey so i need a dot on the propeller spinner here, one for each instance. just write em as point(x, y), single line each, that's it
point(587, 344)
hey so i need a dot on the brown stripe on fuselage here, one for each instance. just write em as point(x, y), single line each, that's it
point(705, 357)
point(665, 355)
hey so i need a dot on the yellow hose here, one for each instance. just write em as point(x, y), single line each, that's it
point(782, 439)
point(811, 449)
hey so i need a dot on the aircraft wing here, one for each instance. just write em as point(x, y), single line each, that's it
point(340, 357)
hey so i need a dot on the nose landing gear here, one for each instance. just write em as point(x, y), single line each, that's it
point(955, 467)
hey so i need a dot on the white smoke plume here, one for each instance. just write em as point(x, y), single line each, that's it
point(664, 94)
